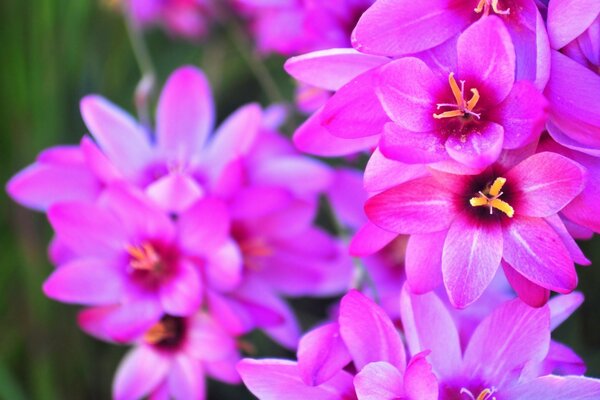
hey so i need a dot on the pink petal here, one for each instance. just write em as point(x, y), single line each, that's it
point(393, 28)
point(185, 114)
point(408, 91)
point(411, 147)
point(545, 183)
point(86, 281)
point(429, 326)
point(258, 201)
point(480, 148)
point(568, 19)
point(423, 262)
point(486, 59)
point(417, 206)
point(207, 340)
point(379, 381)
point(272, 379)
point(562, 307)
point(556, 388)
point(313, 138)
point(533, 249)
point(186, 379)
point(354, 110)
point(141, 371)
point(202, 238)
point(331, 69)
point(175, 192)
point(181, 294)
point(370, 239)
point(224, 267)
point(369, 333)
point(472, 255)
point(511, 336)
point(299, 174)
point(532, 294)
point(522, 115)
point(574, 251)
point(420, 383)
point(118, 134)
point(322, 354)
point(382, 173)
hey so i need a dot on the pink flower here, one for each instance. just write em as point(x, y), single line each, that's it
point(291, 27)
point(172, 358)
point(186, 18)
point(470, 224)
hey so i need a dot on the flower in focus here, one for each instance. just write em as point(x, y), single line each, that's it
point(471, 224)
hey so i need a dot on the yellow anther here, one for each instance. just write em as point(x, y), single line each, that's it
point(490, 198)
point(143, 257)
point(160, 331)
point(485, 395)
point(461, 107)
point(484, 5)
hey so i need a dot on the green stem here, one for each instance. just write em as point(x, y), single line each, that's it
point(145, 87)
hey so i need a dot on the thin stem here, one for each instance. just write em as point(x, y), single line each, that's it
point(145, 87)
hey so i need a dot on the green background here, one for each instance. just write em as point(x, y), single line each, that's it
point(52, 53)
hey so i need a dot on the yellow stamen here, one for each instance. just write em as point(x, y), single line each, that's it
point(484, 5)
point(461, 107)
point(491, 199)
point(143, 257)
point(480, 6)
point(484, 395)
point(160, 331)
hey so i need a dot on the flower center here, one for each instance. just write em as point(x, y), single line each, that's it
point(168, 332)
point(144, 258)
point(462, 108)
point(254, 250)
point(491, 198)
point(485, 6)
point(485, 394)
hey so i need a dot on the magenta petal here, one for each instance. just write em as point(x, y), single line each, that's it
point(545, 183)
point(207, 340)
point(141, 371)
point(369, 333)
point(42, 184)
point(522, 115)
point(486, 58)
point(417, 206)
point(181, 294)
point(382, 173)
point(429, 326)
point(574, 251)
point(370, 239)
point(300, 174)
point(118, 134)
point(174, 192)
point(354, 111)
point(408, 91)
point(561, 307)
point(313, 138)
point(568, 19)
point(393, 28)
point(533, 249)
point(556, 388)
point(472, 255)
point(419, 380)
point(259, 201)
point(185, 114)
point(86, 281)
point(331, 69)
point(410, 147)
point(186, 379)
point(322, 354)
point(224, 267)
point(532, 294)
point(202, 238)
point(379, 381)
point(507, 339)
point(480, 148)
point(271, 379)
point(423, 261)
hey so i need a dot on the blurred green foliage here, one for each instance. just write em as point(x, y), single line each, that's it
point(54, 52)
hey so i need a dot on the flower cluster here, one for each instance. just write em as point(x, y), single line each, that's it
point(481, 123)
point(183, 240)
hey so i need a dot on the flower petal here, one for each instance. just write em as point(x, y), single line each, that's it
point(186, 379)
point(532, 294)
point(204, 226)
point(379, 381)
point(369, 333)
point(561, 307)
point(411, 147)
point(568, 19)
point(419, 380)
point(141, 371)
point(423, 261)
point(480, 148)
point(471, 257)
point(225, 267)
point(185, 114)
point(370, 239)
point(175, 192)
point(382, 173)
point(556, 388)
point(181, 294)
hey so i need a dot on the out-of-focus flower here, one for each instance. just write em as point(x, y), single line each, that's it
point(172, 358)
point(470, 115)
point(186, 18)
point(471, 224)
point(292, 27)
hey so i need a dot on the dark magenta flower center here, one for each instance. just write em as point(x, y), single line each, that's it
point(167, 334)
point(150, 262)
